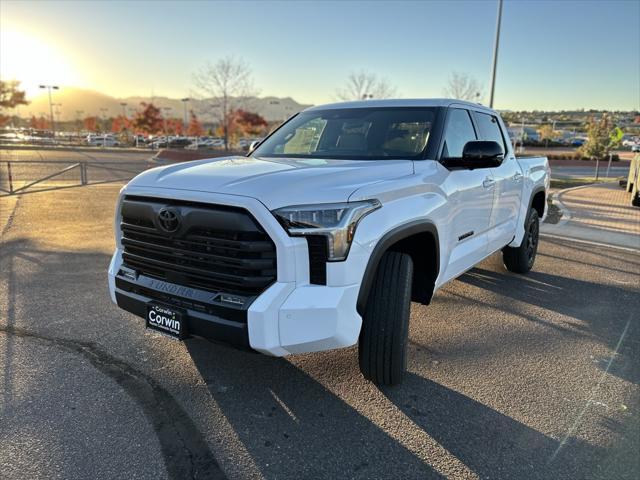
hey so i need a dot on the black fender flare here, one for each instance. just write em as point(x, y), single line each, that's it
point(534, 192)
point(388, 239)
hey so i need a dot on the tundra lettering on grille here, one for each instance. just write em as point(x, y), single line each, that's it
point(213, 247)
point(171, 288)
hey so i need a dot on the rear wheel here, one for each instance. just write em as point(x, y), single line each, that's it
point(635, 201)
point(521, 259)
point(382, 348)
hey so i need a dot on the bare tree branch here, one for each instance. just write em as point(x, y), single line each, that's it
point(463, 87)
point(363, 85)
point(228, 85)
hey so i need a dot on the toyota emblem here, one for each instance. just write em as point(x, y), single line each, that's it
point(168, 219)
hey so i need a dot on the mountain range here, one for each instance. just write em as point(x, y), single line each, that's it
point(71, 103)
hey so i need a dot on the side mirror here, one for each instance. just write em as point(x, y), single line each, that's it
point(253, 145)
point(477, 154)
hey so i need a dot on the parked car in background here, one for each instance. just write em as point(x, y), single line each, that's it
point(633, 181)
point(102, 141)
point(576, 141)
point(170, 142)
point(179, 142)
point(157, 142)
point(11, 137)
point(138, 140)
point(245, 143)
point(212, 143)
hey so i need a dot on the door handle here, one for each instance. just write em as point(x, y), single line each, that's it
point(488, 182)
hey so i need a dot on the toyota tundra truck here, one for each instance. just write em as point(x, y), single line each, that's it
point(323, 235)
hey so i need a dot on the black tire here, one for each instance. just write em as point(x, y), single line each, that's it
point(382, 349)
point(521, 259)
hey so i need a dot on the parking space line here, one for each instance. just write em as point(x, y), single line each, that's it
point(589, 242)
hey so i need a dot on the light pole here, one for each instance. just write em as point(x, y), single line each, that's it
point(103, 114)
point(49, 88)
point(184, 103)
point(522, 136)
point(495, 54)
point(79, 114)
point(57, 105)
point(167, 110)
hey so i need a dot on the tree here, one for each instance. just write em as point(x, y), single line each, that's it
point(228, 84)
point(463, 87)
point(363, 85)
point(10, 95)
point(174, 126)
point(39, 123)
point(91, 124)
point(194, 129)
point(547, 133)
point(120, 124)
point(602, 137)
point(149, 120)
point(243, 123)
point(248, 123)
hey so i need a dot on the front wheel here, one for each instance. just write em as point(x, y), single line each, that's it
point(521, 259)
point(382, 348)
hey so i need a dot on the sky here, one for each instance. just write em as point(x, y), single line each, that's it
point(554, 55)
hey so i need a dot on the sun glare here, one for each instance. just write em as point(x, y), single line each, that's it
point(33, 61)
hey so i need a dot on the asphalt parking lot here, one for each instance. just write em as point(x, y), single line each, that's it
point(510, 376)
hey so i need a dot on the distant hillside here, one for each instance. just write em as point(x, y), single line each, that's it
point(91, 103)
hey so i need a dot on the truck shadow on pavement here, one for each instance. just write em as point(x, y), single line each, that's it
point(293, 426)
point(490, 443)
point(588, 302)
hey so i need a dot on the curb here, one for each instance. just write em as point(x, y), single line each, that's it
point(566, 213)
point(590, 242)
point(576, 232)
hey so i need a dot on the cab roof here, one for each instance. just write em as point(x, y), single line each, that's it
point(401, 102)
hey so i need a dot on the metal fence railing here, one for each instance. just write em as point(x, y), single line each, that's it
point(26, 176)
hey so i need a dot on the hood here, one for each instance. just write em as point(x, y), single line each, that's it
point(275, 182)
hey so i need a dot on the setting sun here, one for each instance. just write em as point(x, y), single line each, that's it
point(33, 61)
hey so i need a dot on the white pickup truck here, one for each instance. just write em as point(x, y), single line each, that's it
point(323, 235)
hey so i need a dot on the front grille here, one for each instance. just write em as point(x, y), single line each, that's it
point(216, 248)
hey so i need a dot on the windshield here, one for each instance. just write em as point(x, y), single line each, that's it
point(353, 133)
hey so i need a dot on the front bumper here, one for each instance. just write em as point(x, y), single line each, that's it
point(290, 316)
point(284, 319)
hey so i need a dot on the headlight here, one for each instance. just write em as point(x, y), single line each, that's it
point(335, 221)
